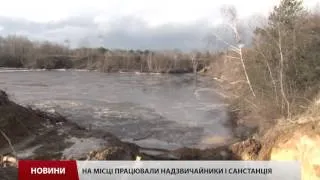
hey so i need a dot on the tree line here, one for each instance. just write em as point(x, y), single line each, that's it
point(20, 52)
point(282, 67)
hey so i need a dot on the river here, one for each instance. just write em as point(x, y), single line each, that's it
point(151, 110)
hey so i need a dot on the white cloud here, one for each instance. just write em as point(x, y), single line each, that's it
point(126, 23)
point(155, 12)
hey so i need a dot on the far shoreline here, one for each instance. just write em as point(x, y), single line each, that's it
point(12, 69)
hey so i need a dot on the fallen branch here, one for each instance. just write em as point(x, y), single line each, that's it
point(9, 142)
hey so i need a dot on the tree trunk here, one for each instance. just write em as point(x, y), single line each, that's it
point(245, 72)
point(281, 74)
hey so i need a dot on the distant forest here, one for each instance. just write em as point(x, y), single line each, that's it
point(20, 52)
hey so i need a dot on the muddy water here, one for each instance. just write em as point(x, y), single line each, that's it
point(151, 110)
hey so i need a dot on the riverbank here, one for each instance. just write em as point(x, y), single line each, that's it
point(177, 71)
point(33, 134)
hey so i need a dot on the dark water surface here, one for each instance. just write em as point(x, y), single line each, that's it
point(157, 111)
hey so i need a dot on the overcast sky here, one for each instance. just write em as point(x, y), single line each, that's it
point(154, 24)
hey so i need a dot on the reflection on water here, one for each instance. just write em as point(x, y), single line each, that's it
point(163, 111)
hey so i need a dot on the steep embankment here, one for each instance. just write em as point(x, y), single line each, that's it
point(299, 142)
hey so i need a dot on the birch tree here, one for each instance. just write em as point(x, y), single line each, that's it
point(230, 14)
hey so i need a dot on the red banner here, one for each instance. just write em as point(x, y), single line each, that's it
point(47, 170)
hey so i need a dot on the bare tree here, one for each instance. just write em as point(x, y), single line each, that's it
point(194, 56)
point(230, 13)
point(281, 71)
point(149, 61)
point(106, 61)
